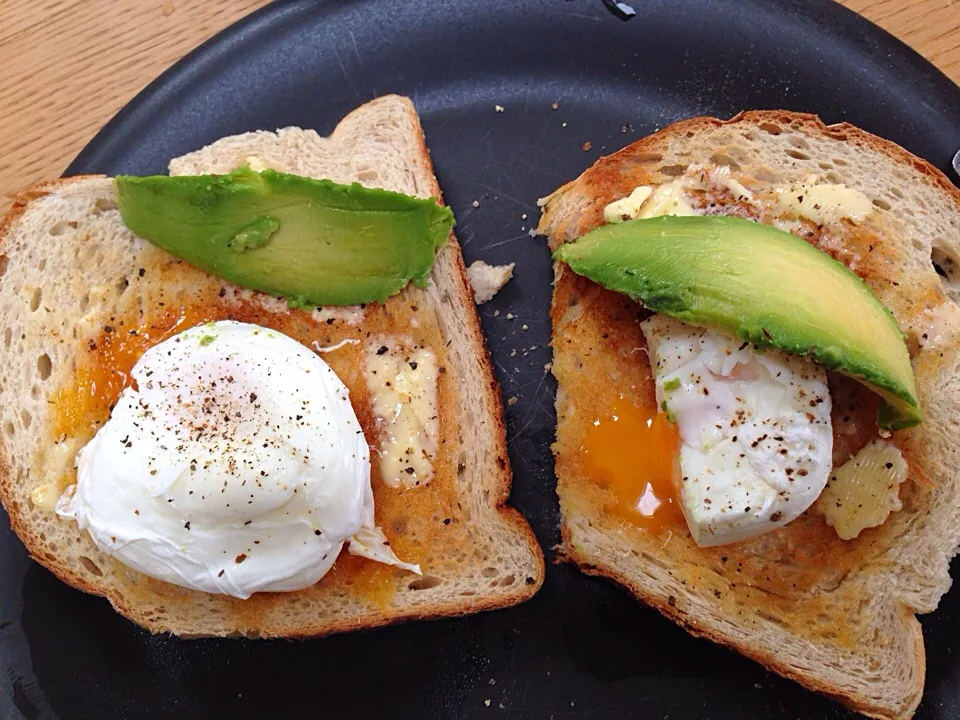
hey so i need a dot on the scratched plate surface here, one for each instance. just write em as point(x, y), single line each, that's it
point(582, 647)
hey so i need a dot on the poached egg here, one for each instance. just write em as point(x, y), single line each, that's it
point(756, 437)
point(234, 464)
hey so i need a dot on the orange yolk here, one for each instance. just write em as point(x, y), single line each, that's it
point(85, 404)
point(634, 452)
point(374, 581)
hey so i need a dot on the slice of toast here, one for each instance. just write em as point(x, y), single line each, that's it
point(72, 274)
point(836, 616)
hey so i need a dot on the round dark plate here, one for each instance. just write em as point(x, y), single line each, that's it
point(582, 647)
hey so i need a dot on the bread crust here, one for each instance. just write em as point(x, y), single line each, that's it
point(576, 208)
point(600, 174)
point(450, 276)
point(770, 660)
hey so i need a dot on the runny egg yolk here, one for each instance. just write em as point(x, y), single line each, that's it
point(634, 452)
point(85, 404)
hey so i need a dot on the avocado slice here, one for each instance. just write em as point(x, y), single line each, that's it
point(766, 286)
point(315, 242)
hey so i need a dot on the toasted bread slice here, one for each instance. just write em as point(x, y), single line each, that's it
point(79, 290)
point(836, 616)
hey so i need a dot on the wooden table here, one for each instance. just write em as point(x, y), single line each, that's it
point(66, 66)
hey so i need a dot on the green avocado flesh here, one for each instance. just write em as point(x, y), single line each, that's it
point(766, 286)
point(314, 242)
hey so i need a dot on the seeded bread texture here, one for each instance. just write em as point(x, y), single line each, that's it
point(69, 264)
point(839, 617)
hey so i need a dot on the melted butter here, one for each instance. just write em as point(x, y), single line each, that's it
point(59, 471)
point(672, 198)
point(863, 491)
point(634, 453)
point(256, 163)
point(403, 387)
point(823, 202)
point(44, 497)
point(629, 207)
point(732, 185)
point(350, 314)
point(646, 202)
point(668, 199)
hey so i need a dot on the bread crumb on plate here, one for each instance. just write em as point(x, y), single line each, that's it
point(487, 280)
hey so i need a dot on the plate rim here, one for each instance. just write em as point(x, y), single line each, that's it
point(114, 135)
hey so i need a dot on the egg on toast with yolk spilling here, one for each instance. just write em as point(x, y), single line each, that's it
point(240, 464)
point(764, 491)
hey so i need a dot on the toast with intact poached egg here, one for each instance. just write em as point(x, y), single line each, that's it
point(836, 615)
point(84, 298)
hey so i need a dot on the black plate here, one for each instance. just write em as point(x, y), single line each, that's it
point(582, 647)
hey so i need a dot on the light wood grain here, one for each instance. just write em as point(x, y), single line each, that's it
point(69, 65)
point(931, 27)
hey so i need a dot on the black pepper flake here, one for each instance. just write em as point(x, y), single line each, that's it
point(253, 397)
point(186, 525)
point(409, 470)
point(888, 465)
point(776, 516)
point(220, 574)
point(222, 293)
point(382, 350)
point(141, 272)
point(413, 365)
point(317, 532)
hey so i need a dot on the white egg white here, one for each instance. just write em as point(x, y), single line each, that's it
point(755, 429)
point(234, 465)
